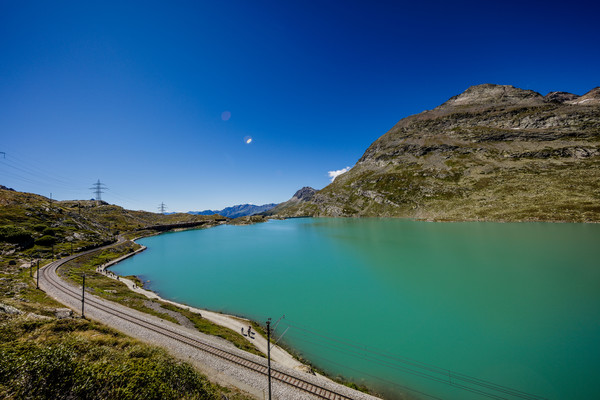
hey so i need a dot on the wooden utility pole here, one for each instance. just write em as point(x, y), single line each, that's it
point(269, 353)
point(83, 296)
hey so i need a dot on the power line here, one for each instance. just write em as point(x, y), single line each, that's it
point(25, 169)
point(26, 174)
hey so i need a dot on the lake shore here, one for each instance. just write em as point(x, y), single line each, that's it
point(236, 324)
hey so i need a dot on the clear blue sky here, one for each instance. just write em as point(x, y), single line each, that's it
point(137, 94)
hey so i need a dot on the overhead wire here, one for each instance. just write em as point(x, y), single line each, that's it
point(29, 175)
point(364, 373)
point(29, 167)
point(412, 372)
point(381, 357)
point(26, 171)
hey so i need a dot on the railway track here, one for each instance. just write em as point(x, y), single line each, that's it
point(50, 277)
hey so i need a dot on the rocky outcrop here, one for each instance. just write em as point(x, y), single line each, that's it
point(590, 98)
point(560, 97)
point(304, 194)
point(489, 95)
point(7, 309)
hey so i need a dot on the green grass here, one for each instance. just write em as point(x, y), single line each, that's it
point(49, 358)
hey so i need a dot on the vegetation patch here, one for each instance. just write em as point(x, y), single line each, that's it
point(67, 359)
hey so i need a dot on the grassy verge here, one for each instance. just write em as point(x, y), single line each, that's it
point(205, 326)
point(100, 285)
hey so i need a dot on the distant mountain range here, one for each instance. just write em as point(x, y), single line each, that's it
point(494, 152)
point(241, 210)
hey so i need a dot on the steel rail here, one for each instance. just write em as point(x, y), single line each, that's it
point(49, 273)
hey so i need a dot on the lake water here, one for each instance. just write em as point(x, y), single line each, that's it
point(434, 310)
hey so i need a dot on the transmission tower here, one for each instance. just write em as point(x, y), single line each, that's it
point(97, 189)
point(162, 207)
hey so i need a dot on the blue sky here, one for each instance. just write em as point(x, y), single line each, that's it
point(137, 94)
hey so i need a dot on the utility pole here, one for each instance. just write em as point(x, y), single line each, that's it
point(269, 353)
point(97, 189)
point(37, 285)
point(162, 207)
point(83, 296)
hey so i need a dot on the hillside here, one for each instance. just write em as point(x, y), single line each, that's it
point(491, 153)
point(35, 225)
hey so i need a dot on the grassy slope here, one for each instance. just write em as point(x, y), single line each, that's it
point(34, 225)
point(49, 358)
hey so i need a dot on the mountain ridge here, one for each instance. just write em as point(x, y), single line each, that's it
point(240, 210)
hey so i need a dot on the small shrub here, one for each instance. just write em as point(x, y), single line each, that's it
point(16, 235)
point(39, 227)
point(46, 240)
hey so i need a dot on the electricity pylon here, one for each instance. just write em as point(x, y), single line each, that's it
point(98, 188)
point(162, 207)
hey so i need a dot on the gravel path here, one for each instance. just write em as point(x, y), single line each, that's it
point(217, 369)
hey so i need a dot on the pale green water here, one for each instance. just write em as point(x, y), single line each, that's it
point(514, 304)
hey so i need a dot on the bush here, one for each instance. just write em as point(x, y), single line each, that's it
point(65, 365)
point(14, 234)
point(50, 231)
point(39, 227)
point(46, 240)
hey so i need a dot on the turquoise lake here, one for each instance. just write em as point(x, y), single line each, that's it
point(467, 310)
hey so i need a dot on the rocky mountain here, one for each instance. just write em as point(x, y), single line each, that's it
point(494, 152)
point(301, 196)
point(242, 210)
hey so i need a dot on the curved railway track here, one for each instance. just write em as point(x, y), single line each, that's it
point(49, 276)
